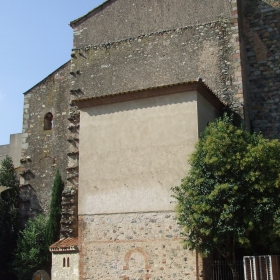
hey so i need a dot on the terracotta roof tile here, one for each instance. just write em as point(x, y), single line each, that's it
point(65, 244)
point(199, 85)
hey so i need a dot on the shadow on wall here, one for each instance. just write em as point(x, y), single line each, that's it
point(29, 205)
point(261, 31)
point(140, 104)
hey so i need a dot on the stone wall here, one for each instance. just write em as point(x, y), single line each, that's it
point(122, 19)
point(162, 58)
point(261, 34)
point(157, 44)
point(44, 151)
point(69, 221)
point(133, 246)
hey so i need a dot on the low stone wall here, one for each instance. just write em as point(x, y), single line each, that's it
point(134, 246)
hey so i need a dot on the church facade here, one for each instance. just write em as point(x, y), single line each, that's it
point(121, 117)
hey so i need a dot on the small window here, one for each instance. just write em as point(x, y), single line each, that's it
point(63, 262)
point(48, 121)
point(68, 262)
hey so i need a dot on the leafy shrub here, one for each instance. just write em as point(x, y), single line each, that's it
point(30, 253)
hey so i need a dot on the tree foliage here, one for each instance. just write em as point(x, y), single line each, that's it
point(30, 252)
point(231, 195)
point(53, 224)
point(9, 218)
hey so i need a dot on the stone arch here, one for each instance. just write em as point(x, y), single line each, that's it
point(48, 121)
point(145, 256)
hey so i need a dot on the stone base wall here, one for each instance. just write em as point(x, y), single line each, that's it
point(134, 246)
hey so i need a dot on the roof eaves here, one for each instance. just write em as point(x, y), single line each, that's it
point(202, 87)
point(63, 245)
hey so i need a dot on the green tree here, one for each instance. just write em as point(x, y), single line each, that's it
point(9, 217)
point(30, 251)
point(53, 224)
point(230, 196)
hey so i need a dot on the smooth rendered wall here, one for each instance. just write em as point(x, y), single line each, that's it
point(15, 148)
point(132, 153)
point(4, 151)
point(60, 272)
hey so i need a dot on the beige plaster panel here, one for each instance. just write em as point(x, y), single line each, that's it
point(4, 152)
point(206, 113)
point(15, 148)
point(132, 153)
point(62, 273)
point(136, 245)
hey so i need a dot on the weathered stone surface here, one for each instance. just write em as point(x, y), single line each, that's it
point(129, 45)
point(261, 29)
point(116, 20)
point(161, 58)
point(133, 246)
point(44, 151)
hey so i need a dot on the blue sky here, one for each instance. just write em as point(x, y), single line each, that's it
point(35, 39)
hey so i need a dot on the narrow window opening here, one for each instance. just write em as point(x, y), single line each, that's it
point(48, 121)
point(63, 262)
point(68, 262)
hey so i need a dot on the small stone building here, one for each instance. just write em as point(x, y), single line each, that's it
point(65, 259)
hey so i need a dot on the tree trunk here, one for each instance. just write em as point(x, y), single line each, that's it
point(233, 268)
point(232, 263)
point(231, 259)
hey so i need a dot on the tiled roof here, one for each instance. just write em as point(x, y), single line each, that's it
point(198, 85)
point(65, 244)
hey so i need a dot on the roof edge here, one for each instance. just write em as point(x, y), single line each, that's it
point(63, 65)
point(65, 245)
point(199, 86)
point(75, 22)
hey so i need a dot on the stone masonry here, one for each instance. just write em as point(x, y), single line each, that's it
point(125, 46)
point(44, 151)
point(261, 34)
point(134, 246)
point(179, 48)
